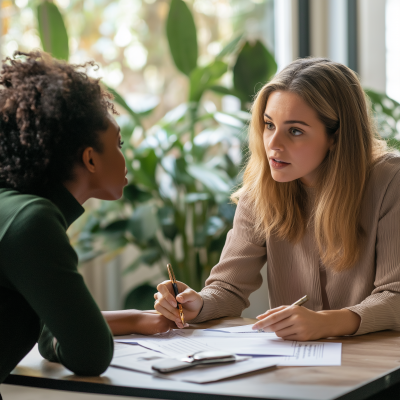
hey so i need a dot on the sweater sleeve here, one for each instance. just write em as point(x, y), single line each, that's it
point(381, 310)
point(237, 274)
point(40, 263)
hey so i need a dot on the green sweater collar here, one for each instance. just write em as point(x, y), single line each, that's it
point(66, 202)
point(63, 199)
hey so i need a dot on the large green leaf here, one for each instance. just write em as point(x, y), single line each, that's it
point(203, 77)
point(119, 100)
point(166, 218)
point(52, 31)
point(254, 67)
point(182, 38)
point(116, 227)
point(217, 181)
point(143, 223)
point(146, 174)
point(141, 298)
point(148, 256)
point(231, 47)
point(136, 195)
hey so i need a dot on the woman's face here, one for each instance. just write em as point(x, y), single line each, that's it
point(295, 140)
point(110, 164)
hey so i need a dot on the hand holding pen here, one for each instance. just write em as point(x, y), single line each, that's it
point(166, 303)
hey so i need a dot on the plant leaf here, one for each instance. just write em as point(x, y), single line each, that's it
point(193, 197)
point(144, 223)
point(116, 227)
point(148, 257)
point(254, 67)
point(119, 100)
point(182, 37)
point(52, 31)
point(231, 47)
point(202, 78)
point(146, 174)
point(141, 298)
point(166, 218)
point(134, 194)
point(215, 180)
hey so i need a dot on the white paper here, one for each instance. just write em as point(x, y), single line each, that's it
point(206, 373)
point(180, 343)
point(314, 354)
point(244, 329)
point(170, 344)
point(255, 345)
point(122, 350)
point(138, 362)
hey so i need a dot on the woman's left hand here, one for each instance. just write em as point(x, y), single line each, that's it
point(300, 323)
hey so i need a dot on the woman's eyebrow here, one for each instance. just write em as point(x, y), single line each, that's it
point(288, 122)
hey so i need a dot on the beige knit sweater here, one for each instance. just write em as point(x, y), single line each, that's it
point(371, 288)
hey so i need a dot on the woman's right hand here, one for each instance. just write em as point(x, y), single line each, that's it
point(166, 304)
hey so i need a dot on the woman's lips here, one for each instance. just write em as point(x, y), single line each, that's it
point(277, 164)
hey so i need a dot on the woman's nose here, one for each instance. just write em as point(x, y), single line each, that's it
point(276, 141)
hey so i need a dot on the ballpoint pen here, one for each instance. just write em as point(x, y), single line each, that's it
point(299, 302)
point(176, 291)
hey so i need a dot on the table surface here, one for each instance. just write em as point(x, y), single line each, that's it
point(370, 364)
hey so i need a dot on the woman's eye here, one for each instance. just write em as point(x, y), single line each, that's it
point(269, 126)
point(295, 132)
point(120, 143)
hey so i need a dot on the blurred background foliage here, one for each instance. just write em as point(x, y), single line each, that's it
point(184, 154)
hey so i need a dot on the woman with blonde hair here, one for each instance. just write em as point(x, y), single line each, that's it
point(320, 204)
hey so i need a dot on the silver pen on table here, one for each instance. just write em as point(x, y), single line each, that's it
point(299, 302)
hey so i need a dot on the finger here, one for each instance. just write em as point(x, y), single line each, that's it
point(273, 319)
point(165, 304)
point(167, 313)
point(290, 331)
point(284, 324)
point(270, 312)
point(187, 296)
point(165, 290)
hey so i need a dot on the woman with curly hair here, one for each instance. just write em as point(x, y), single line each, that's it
point(319, 204)
point(59, 146)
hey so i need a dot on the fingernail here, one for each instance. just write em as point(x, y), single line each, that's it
point(186, 325)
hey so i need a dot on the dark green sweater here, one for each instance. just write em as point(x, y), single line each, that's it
point(40, 285)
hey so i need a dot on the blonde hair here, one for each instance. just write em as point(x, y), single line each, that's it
point(335, 93)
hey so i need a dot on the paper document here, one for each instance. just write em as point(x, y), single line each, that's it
point(138, 362)
point(314, 354)
point(242, 330)
point(122, 350)
point(171, 344)
point(255, 345)
point(180, 343)
point(206, 373)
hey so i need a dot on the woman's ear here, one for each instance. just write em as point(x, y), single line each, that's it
point(333, 141)
point(88, 159)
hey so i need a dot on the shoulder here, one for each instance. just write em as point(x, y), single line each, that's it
point(385, 169)
point(383, 187)
point(23, 213)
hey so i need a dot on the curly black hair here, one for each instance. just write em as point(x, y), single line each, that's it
point(50, 111)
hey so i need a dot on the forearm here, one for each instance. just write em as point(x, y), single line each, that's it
point(122, 322)
point(339, 322)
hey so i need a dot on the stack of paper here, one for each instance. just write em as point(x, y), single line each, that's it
point(266, 348)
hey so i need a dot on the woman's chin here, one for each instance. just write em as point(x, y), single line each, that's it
point(281, 178)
